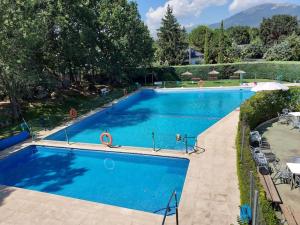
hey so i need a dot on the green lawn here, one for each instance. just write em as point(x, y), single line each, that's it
point(55, 112)
point(216, 83)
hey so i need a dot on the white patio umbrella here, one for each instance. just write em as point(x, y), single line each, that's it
point(213, 72)
point(269, 86)
point(241, 73)
point(187, 73)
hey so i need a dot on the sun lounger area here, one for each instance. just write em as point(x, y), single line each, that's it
point(275, 148)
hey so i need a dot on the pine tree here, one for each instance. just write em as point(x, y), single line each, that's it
point(206, 50)
point(172, 40)
point(221, 44)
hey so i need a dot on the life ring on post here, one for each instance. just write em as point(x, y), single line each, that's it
point(108, 136)
point(73, 113)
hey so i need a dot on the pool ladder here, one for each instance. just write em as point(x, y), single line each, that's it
point(168, 208)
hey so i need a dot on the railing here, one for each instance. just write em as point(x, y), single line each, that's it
point(183, 141)
point(159, 140)
point(168, 208)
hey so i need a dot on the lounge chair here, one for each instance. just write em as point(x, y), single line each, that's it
point(104, 91)
point(261, 161)
point(281, 173)
point(256, 140)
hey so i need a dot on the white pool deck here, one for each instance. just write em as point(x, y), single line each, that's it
point(210, 194)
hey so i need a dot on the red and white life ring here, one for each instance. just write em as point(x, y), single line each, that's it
point(107, 135)
point(73, 113)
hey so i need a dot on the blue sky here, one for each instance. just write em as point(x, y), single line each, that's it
point(194, 12)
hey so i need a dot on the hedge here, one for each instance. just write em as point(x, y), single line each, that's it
point(260, 108)
point(288, 71)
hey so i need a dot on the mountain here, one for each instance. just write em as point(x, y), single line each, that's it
point(253, 16)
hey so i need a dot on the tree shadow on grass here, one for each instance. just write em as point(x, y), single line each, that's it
point(48, 173)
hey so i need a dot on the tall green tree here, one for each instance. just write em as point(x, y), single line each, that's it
point(59, 40)
point(127, 40)
point(276, 28)
point(197, 37)
point(172, 40)
point(287, 50)
point(239, 34)
point(206, 47)
point(221, 44)
point(19, 43)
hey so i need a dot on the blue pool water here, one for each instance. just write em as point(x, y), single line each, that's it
point(127, 180)
point(164, 112)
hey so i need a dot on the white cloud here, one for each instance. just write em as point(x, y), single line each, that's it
point(181, 9)
point(239, 5)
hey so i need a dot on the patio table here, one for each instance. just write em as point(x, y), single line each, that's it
point(295, 115)
point(295, 169)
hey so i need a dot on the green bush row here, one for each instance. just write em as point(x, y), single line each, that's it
point(288, 71)
point(260, 108)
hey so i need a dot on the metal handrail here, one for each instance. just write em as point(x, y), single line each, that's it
point(168, 209)
point(67, 136)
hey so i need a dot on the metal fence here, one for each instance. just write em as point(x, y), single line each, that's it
point(252, 182)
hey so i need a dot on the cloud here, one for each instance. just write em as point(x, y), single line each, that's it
point(239, 5)
point(181, 8)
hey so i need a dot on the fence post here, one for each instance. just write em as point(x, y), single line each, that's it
point(153, 140)
point(255, 208)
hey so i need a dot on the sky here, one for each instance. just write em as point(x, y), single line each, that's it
point(194, 12)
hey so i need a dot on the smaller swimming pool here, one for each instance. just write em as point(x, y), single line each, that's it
point(133, 181)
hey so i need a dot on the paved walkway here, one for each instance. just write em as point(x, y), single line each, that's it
point(210, 194)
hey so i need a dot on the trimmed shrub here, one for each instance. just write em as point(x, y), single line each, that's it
point(288, 71)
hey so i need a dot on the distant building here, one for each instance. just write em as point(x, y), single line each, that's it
point(194, 57)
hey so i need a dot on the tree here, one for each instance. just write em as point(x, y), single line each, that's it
point(254, 33)
point(239, 34)
point(197, 37)
point(211, 41)
point(273, 30)
point(206, 46)
point(294, 42)
point(255, 50)
point(127, 40)
point(58, 40)
point(279, 52)
point(221, 44)
point(287, 50)
point(172, 40)
point(19, 70)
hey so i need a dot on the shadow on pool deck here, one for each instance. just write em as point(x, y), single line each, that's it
point(285, 144)
point(51, 173)
point(4, 193)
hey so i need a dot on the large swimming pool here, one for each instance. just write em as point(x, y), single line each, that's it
point(162, 112)
point(132, 181)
